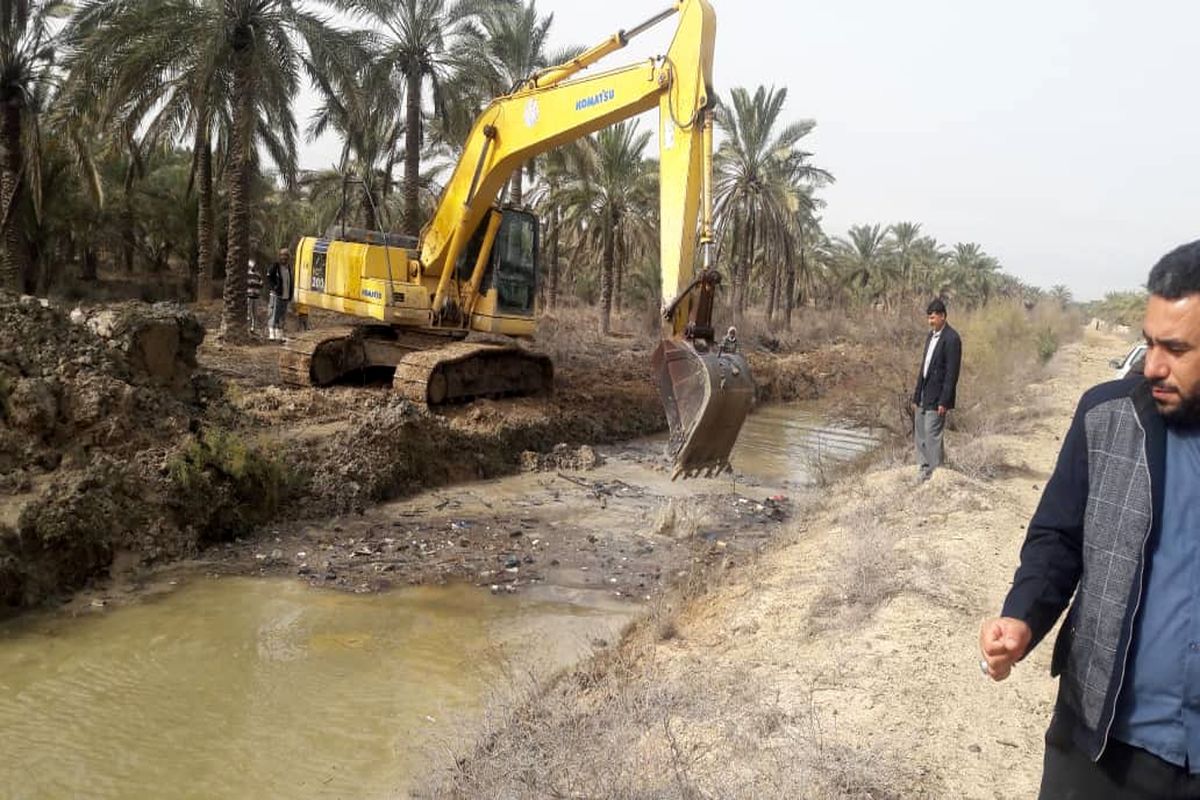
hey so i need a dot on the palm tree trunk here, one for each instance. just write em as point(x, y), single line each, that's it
point(555, 223)
point(734, 253)
point(412, 152)
point(790, 301)
point(13, 258)
point(128, 227)
point(618, 270)
point(386, 189)
point(89, 267)
point(41, 275)
point(606, 276)
point(772, 294)
point(233, 313)
point(742, 292)
point(368, 210)
point(204, 224)
point(517, 187)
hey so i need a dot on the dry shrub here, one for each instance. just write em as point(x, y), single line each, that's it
point(981, 459)
point(615, 729)
point(1005, 349)
point(876, 559)
point(866, 575)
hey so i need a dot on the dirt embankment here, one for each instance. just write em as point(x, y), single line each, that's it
point(127, 440)
point(841, 664)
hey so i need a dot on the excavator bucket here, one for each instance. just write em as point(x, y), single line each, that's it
point(706, 397)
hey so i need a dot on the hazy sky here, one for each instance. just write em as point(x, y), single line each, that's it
point(1063, 137)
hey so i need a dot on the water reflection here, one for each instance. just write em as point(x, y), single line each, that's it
point(788, 443)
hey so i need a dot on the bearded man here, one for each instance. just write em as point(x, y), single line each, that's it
point(1118, 528)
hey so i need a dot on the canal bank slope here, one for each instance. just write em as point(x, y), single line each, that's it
point(841, 664)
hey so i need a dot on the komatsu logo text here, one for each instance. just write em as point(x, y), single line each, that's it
point(595, 100)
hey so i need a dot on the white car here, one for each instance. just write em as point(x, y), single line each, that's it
point(1133, 361)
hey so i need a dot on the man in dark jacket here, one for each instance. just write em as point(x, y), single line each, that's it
point(279, 282)
point(937, 383)
point(1118, 527)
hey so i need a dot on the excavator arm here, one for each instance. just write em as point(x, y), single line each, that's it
point(706, 387)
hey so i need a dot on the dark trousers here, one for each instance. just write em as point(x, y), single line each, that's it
point(1124, 772)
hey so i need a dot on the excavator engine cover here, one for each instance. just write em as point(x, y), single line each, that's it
point(706, 397)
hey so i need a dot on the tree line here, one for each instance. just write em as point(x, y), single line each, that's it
point(160, 137)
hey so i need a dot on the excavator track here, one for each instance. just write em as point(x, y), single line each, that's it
point(317, 358)
point(430, 369)
point(465, 371)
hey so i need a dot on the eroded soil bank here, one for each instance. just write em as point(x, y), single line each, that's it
point(132, 441)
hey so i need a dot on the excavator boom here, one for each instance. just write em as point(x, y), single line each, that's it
point(705, 386)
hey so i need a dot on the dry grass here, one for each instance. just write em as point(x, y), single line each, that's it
point(570, 333)
point(619, 728)
point(1005, 350)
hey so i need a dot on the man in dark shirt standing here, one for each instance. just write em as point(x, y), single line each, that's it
point(937, 383)
point(1118, 529)
point(279, 282)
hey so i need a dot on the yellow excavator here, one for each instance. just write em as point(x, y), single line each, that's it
point(475, 266)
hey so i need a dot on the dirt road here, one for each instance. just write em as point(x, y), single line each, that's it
point(844, 663)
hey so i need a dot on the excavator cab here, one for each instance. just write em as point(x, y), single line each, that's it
point(514, 262)
point(501, 282)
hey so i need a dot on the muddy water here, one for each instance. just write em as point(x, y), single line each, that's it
point(788, 443)
point(238, 687)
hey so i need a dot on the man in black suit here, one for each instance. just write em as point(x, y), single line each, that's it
point(937, 381)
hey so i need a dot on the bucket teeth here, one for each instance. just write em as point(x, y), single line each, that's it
point(706, 397)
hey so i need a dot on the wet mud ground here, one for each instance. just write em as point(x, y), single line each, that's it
point(622, 526)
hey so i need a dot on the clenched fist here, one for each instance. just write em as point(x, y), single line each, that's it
point(1003, 642)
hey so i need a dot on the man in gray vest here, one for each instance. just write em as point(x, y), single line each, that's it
point(937, 387)
point(1118, 528)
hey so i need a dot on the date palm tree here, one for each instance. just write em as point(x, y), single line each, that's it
point(363, 109)
point(863, 257)
point(218, 69)
point(976, 274)
point(1060, 294)
point(571, 162)
point(27, 54)
point(758, 168)
point(613, 206)
point(517, 42)
point(903, 244)
point(425, 42)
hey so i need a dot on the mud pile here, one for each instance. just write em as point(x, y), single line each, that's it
point(89, 405)
point(561, 456)
point(392, 447)
point(72, 384)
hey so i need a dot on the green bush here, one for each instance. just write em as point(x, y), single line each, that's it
point(1047, 345)
point(224, 487)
